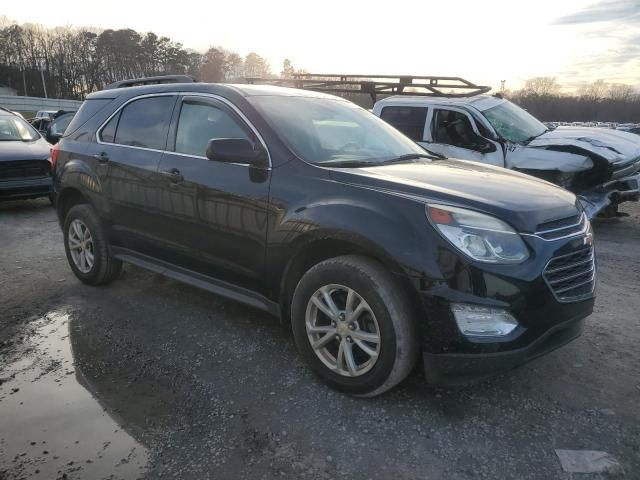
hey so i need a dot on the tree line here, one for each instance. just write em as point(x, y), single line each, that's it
point(596, 101)
point(72, 62)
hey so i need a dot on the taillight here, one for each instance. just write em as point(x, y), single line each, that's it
point(55, 150)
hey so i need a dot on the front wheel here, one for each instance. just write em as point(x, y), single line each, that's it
point(354, 326)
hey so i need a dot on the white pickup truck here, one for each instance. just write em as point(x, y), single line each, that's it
point(602, 166)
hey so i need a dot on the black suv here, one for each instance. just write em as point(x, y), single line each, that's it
point(311, 208)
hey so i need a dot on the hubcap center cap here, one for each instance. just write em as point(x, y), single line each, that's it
point(342, 329)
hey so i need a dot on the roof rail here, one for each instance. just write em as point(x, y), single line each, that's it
point(416, 85)
point(132, 82)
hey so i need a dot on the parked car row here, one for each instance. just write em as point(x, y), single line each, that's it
point(378, 251)
point(52, 124)
point(25, 168)
point(25, 146)
point(625, 127)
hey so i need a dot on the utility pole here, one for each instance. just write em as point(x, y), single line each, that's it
point(24, 80)
point(502, 82)
point(41, 65)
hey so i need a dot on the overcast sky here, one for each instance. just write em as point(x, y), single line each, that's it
point(485, 41)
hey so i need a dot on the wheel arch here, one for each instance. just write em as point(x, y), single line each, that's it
point(316, 249)
point(68, 198)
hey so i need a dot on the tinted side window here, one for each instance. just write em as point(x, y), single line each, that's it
point(453, 128)
point(108, 133)
point(144, 123)
point(200, 122)
point(409, 120)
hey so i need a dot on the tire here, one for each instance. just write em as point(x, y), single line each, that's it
point(103, 268)
point(386, 312)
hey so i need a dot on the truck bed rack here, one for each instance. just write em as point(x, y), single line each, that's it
point(373, 85)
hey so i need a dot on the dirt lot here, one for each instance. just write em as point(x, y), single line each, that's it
point(150, 378)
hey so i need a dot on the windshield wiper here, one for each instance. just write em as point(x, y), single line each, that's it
point(368, 163)
point(533, 137)
point(416, 156)
point(349, 163)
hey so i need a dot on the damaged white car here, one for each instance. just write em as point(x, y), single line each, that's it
point(601, 166)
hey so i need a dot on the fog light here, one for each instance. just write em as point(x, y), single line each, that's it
point(478, 321)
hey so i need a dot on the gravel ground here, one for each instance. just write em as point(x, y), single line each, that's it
point(150, 378)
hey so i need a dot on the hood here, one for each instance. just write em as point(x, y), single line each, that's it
point(615, 146)
point(521, 200)
point(16, 150)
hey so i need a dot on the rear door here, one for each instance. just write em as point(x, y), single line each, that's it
point(127, 154)
point(412, 121)
point(213, 214)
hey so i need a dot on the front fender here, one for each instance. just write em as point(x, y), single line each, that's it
point(398, 235)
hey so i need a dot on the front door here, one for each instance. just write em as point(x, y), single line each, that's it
point(454, 134)
point(214, 213)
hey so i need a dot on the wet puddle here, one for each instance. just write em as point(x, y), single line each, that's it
point(51, 427)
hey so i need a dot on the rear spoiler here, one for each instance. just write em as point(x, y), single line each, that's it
point(133, 82)
point(423, 86)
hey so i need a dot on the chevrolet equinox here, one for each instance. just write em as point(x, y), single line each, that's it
point(376, 251)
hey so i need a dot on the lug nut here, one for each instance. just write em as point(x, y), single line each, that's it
point(349, 339)
point(341, 316)
point(338, 337)
point(352, 326)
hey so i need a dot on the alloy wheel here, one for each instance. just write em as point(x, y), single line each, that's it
point(81, 246)
point(342, 330)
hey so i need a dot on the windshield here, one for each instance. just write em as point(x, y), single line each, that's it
point(327, 131)
point(15, 129)
point(513, 123)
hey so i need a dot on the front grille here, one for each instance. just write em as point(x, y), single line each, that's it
point(572, 277)
point(24, 169)
point(564, 227)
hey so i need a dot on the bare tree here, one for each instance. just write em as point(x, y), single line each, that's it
point(77, 61)
point(541, 87)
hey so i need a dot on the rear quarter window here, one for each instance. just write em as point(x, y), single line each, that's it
point(88, 109)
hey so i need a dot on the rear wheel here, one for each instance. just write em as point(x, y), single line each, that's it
point(86, 247)
point(353, 325)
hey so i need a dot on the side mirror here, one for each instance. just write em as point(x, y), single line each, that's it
point(53, 138)
point(236, 150)
point(51, 134)
point(484, 146)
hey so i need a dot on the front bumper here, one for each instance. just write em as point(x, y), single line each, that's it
point(460, 369)
point(544, 294)
point(611, 193)
point(25, 188)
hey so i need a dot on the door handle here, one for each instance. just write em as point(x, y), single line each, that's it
point(173, 175)
point(101, 157)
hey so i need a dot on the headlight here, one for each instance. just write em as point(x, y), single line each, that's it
point(482, 237)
